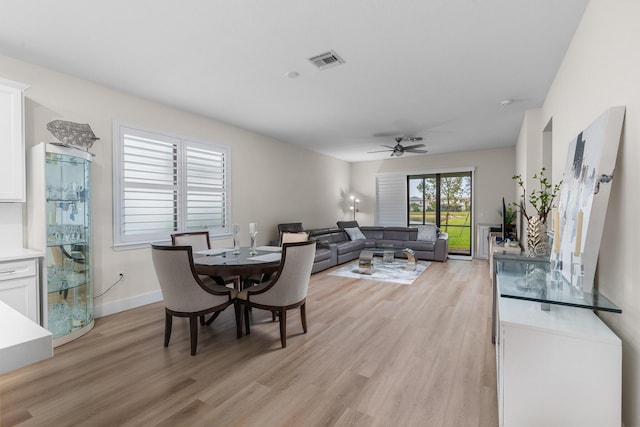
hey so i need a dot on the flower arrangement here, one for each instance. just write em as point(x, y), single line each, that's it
point(541, 199)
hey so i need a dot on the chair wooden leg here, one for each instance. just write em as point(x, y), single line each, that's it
point(237, 306)
point(213, 317)
point(273, 316)
point(283, 327)
point(303, 316)
point(168, 321)
point(193, 323)
point(202, 320)
point(247, 329)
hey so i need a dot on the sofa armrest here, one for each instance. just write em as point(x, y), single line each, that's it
point(441, 249)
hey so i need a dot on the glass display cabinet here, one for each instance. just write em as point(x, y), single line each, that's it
point(60, 225)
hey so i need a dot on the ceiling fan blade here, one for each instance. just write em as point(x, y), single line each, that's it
point(418, 151)
point(388, 146)
point(414, 146)
point(378, 151)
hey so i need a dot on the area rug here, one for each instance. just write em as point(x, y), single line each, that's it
point(384, 271)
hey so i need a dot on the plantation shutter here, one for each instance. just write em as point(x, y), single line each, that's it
point(150, 186)
point(206, 193)
point(391, 200)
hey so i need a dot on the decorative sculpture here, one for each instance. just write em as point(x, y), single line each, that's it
point(75, 134)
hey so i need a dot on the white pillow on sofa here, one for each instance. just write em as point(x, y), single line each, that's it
point(355, 233)
point(427, 233)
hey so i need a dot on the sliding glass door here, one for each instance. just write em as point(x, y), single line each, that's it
point(443, 199)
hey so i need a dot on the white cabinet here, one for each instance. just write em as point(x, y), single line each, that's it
point(12, 151)
point(482, 244)
point(561, 367)
point(19, 282)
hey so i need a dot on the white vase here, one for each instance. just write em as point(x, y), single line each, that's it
point(537, 242)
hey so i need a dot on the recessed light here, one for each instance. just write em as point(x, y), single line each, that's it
point(292, 74)
point(506, 102)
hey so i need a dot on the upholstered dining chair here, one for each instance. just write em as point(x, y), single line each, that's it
point(199, 241)
point(288, 290)
point(185, 295)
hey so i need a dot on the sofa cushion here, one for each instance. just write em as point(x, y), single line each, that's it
point(391, 243)
point(350, 246)
point(427, 233)
point(400, 233)
point(355, 233)
point(322, 254)
point(373, 232)
point(420, 245)
point(328, 235)
point(347, 224)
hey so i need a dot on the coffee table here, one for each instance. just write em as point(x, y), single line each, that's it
point(365, 262)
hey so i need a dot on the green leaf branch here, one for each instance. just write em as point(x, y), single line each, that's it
point(540, 198)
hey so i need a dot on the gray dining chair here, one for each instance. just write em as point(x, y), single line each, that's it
point(288, 290)
point(199, 241)
point(185, 295)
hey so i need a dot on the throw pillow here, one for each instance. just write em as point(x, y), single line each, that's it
point(355, 233)
point(427, 232)
point(294, 237)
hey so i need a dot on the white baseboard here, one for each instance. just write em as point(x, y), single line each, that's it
point(126, 304)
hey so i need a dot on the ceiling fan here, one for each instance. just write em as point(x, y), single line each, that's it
point(398, 150)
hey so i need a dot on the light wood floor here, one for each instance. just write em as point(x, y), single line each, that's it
point(376, 354)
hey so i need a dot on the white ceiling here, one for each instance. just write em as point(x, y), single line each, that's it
point(432, 68)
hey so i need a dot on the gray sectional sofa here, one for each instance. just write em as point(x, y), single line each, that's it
point(336, 247)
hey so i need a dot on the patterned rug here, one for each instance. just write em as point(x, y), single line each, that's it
point(384, 271)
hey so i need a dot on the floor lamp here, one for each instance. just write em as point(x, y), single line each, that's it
point(354, 206)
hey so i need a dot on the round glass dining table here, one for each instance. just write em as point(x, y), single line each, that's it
point(224, 263)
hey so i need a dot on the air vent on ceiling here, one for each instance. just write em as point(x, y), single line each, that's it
point(326, 60)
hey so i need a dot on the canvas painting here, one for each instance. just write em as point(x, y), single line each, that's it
point(584, 194)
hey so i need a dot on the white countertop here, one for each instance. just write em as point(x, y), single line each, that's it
point(22, 341)
point(10, 254)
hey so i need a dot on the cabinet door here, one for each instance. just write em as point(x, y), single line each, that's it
point(549, 378)
point(19, 287)
point(12, 176)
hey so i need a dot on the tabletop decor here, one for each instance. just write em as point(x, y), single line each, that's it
point(236, 239)
point(541, 199)
point(253, 233)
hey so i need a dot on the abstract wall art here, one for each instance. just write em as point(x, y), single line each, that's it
point(584, 194)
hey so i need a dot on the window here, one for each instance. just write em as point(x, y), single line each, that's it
point(167, 183)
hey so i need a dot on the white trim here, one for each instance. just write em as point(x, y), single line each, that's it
point(126, 304)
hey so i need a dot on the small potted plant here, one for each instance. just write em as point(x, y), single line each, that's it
point(510, 216)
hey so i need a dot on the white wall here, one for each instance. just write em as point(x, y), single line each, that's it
point(493, 172)
point(601, 69)
point(272, 182)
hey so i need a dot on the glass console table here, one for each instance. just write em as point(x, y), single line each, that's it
point(528, 278)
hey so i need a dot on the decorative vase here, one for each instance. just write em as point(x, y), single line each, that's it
point(537, 237)
point(236, 239)
point(253, 237)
